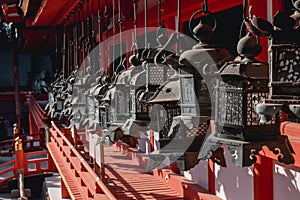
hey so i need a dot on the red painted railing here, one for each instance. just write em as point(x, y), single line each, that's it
point(74, 169)
point(7, 147)
point(31, 142)
point(38, 162)
point(27, 149)
point(33, 163)
point(7, 171)
point(37, 116)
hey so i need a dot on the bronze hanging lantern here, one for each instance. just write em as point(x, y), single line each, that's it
point(116, 103)
point(186, 100)
point(284, 63)
point(239, 92)
point(144, 84)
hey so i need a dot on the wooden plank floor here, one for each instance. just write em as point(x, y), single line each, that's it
point(132, 181)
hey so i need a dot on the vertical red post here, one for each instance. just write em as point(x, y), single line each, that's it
point(64, 190)
point(152, 141)
point(260, 9)
point(277, 5)
point(19, 153)
point(211, 177)
point(263, 178)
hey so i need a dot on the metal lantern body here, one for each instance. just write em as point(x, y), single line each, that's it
point(187, 102)
point(100, 92)
point(285, 65)
point(244, 84)
point(79, 102)
point(167, 95)
point(63, 98)
point(90, 91)
point(138, 113)
point(285, 79)
point(285, 71)
point(178, 136)
point(58, 99)
point(142, 86)
point(54, 104)
point(117, 103)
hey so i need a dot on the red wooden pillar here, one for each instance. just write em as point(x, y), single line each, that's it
point(277, 5)
point(263, 178)
point(211, 177)
point(260, 9)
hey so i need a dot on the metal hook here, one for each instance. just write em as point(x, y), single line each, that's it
point(202, 12)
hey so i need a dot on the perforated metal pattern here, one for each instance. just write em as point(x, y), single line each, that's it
point(198, 131)
point(236, 105)
point(285, 63)
point(229, 107)
point(171, 110)
point(159, 74)
point(170, 73)
point(155, 75)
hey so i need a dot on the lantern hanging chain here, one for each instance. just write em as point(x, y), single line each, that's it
point(247, 21)
point(205, 6)
point(64, 50)
point(68, 43)
point(99, 33)
point(159, 13)
point(134, 39)
point(121, 30)
point(83, 35)
point(114, 34)
point(74, 39)
point(244, 18)
point(146, 23)
point(56, 46)
point(78, 37)
point(99, 20)
point(106, 16)
point(87, 26)
point(178, 25)
point(245, 5)
point(92, 25)
point(93, 11)
point(87, 8)
point(113, 19)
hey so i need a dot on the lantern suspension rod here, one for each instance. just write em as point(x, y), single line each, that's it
point(178, 25)
point(64, 50)
point(159, 13)
point(106, 16)
point(135, 24)
point(146, 23)
point(121, 30)
point(114, 33)
point(205, 6)
point(99, 33)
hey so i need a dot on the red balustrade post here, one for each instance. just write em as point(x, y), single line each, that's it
point(19, 154)
point(64, 190)
point(152, 141)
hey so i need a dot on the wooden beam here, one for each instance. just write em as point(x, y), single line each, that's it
point(37, 33)
point(39, 12)
point(67, 8)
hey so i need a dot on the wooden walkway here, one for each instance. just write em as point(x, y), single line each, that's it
point(131, 181)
